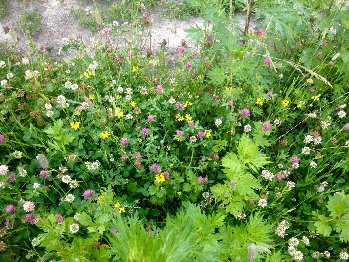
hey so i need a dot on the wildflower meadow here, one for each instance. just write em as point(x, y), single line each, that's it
point(232, 146)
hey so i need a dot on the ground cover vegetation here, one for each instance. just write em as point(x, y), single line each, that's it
point(236, 152)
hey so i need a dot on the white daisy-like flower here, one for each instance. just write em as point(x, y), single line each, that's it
point(74, 228)
point(69, 198)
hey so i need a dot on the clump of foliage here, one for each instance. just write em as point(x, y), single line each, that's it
point(30, 22)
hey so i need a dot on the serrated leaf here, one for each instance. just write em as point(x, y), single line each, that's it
point(322, 226)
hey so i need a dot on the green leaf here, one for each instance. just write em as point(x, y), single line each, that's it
point(322, 226)
point(338, 204)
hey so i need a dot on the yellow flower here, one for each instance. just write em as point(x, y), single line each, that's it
point(188, 117)
point(228, 89)
point(316, 98)
point(259, 101)
point(179, 117)
point(101, 198)
point(208, 135)
point(117, 204)
point(187, 103)
point(133, 104)
point(87, 73)
point(75, 125)
point(91, 97)
point(104, 135)
point(121, 209)
point(310, 81)
point(118, 112)
point(153, 62)
point(285, 102)
point(160, 178)
point(300, 104)
point(134, 68)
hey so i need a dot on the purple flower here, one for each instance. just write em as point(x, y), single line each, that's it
point(267, 61)
point(59, 218)
point(266, 126)
point(150, 118)
point(88, 193)
point(11, 178)
point(179, 106)
point(137, 155)
point(30, 218)
point(191, 123)
point(179, 132)
point(107, 30)
point(124, 140)
point(189, 66)
point(167, 174)
point(201, 134)
point(7, 223)
point(229, 102)
point(245, 112)
point(43, 174)
point(180, 49)
point(10, 209)
point(155, 168)
point(145, 131)
point(202, 180)
point(294, 160)
point(2, 138)
point(271, 94)
point(346, 126)
point(159, 89)
point(261, 32)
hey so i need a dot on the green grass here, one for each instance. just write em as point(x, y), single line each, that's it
point(3, 8)
point(31, 22)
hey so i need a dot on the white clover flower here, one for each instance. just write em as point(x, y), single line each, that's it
point(67, 84)
point(48, 106)
point(193, 139)
point(308, 139)
point(120, 89)
point(35, 242)
point(262, 202)
point(4, 83)
point(36, 185)
point(298, 255)
point(346, 143)
point(327, 254)
point(325, 124)
point(305, 150)
point(291, 185)
point(344, 255)
point(342, 106)
point(21, 171)
point(25, 61)
point(306, 241)
point(172, 100)
point(293, 242)
point(313, 164)
point(312, 115)
point(2, 184)
point(291, 250)
point(66, 179)
point(247, 128)
point(9, 76)
point(28, 206)
point(129, 91)
point(76, 216)
point(74, 228)
point(128, 117)
point(218, 122)
point(267, 175)
point(3, 170)
point(128, 97)
point(49, 113)
point(277, 121)
point(341, 114)
point(70, 198)
point(17, 154)
point(73, 184)
point(317, 140)
point(115, 23)
point(2, 64)
point(62, 101)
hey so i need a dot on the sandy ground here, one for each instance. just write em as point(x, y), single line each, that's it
point(58, 22)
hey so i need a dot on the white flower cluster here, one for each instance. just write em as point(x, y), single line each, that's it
point(316, 139)
point(281, 229)
point(28, 206)
point(344, 255)
point(296, 254)
point(62, 101)
point(66, 179)
point(71, 86)
point(31, 74)
point(267, 175)
point(93, 165)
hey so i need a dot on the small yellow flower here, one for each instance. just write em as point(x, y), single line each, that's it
point(118, 112)
point(188, 117)
point(259, 101)
point(133, 104)
point(117, 204)
point(310, 81)
point(87, 73)
point(134, 69)
point(91, 97)
point(285, 103)
point(75, 125)
point(122, 210)
point(160, 178)
point(179, 117)
point(208, 135)
point(300, 104)
point(228, 89)
point(316, 98)
point(104, 135)
point(101, 198)
point(187, 103)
